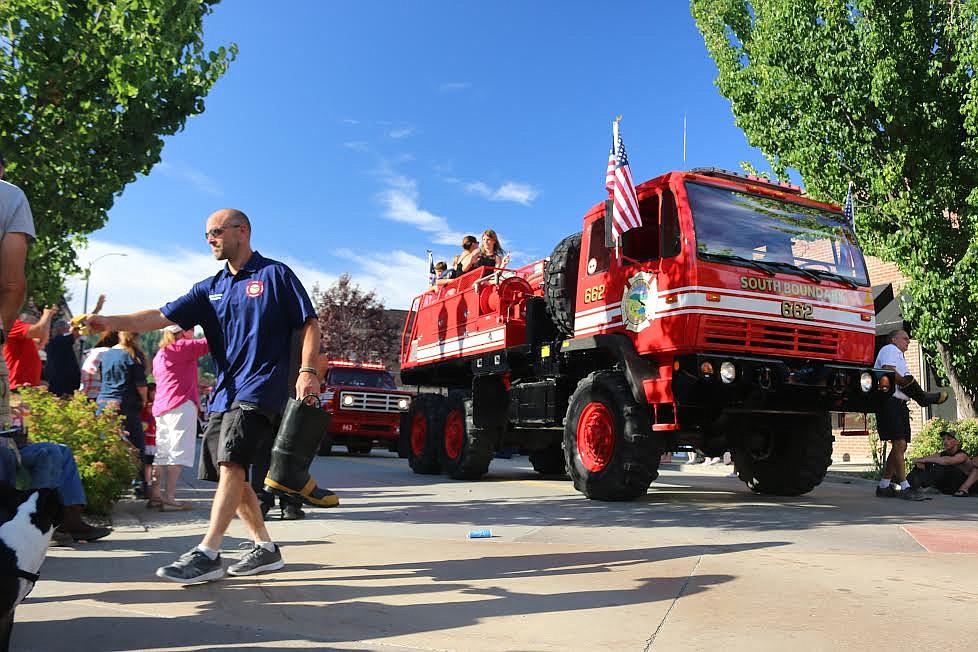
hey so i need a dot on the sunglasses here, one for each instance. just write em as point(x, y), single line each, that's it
point(218, 230)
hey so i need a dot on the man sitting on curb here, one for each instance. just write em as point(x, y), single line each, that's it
point(945, 471)
point(52, 466)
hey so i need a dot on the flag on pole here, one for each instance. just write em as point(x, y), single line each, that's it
point(431, 269)
point(847, 208)
point(618, 181)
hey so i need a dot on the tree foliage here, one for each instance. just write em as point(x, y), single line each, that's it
point(88, 90)
point(354, 324)
point(882, 93)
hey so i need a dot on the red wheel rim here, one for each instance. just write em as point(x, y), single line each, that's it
point(595, 436)
point(419, 433)
point(454, 434)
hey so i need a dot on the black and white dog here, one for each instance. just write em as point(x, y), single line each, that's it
point(24, 539)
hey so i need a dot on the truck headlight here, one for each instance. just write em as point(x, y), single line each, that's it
point(403, 404)
point(865, 381)
point(347, 399)
point(728, 371)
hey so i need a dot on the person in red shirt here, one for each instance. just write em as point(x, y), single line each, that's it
point(21, 348)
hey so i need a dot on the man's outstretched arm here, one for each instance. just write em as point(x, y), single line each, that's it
point(135, 322)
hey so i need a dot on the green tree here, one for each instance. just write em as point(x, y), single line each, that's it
point(882, 93)
point(89, 88)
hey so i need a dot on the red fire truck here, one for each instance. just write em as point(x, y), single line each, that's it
point(737, 317)
point(364, 404)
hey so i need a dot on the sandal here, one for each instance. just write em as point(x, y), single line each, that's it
point(174, 506)
point(960, 494)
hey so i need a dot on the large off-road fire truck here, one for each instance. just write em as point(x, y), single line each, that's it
point(364, 404)
point(737, 317)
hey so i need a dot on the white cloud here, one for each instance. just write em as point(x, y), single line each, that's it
point(401, 202)
point(350, 121)
point(401, 132)
point(193, 176)
point(144, 278)
point(454, 87)
point(356, 146)
point(520, 193)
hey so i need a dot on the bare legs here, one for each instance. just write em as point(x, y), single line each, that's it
point(234, 496)
point(895, 468)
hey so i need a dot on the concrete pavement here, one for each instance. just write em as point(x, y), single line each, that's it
point(698, 563)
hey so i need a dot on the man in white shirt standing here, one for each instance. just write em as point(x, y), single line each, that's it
point(893, 419)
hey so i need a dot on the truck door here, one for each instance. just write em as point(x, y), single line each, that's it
point(602, 302)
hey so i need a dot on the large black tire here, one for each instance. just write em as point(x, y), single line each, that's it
point(609, 446)
point(403, 444)
point(359, 449)
point(427, 420)
point(326, 445)
point(466, 449)
point(560, 283)
point(550, 460)
point(783, 455)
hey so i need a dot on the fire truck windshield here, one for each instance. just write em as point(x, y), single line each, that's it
point(755, 230)
point(353, 377)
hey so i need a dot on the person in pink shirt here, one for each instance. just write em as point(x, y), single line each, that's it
point(175, 409)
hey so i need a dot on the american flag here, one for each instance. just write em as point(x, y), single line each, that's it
point(431, 269)
point(847, 208)
point(618, 182)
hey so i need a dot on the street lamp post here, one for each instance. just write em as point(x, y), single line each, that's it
point(88, 274)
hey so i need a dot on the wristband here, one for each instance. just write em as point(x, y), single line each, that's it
point(308, 370)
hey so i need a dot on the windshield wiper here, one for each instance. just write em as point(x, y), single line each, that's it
point(794, 269)
point(756, 264)
point(823, 273)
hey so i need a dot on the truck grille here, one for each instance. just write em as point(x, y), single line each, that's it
point(757, 337)
point(370, 402)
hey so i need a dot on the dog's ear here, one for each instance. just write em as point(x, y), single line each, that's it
point(10, 500)
point(49, 512)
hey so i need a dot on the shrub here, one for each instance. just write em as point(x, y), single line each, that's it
point(928, 440)
point(106, 462)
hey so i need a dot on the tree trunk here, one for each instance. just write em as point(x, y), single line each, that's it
point(966, 405)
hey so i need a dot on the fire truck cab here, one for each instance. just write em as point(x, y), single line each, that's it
point(737, 317)
point(364, 404)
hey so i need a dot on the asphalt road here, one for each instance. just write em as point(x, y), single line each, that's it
point(698, 563)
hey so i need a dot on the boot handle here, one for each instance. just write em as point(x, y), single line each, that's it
point(315, 397)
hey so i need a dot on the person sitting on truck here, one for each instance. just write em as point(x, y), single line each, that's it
point(945, 471)
point(466, 260)
point(491, 253)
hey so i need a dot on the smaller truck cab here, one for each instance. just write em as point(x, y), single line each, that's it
point(364, 404)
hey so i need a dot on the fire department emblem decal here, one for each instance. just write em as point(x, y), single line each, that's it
point(638, 302)
point(254, 289)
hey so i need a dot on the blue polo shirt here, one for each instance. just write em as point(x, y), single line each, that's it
point(248, 319)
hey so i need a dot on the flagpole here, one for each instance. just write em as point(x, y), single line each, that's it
point(614, 145)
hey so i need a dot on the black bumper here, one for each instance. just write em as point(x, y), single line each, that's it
point(776, 384)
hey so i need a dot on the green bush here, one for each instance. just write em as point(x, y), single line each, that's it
point(107, 463)
point(928, 440)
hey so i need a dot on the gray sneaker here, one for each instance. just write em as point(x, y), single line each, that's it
point(193, 567)
point(912, 494)
point(257, 560)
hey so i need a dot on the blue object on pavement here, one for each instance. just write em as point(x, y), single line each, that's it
point(480, 534)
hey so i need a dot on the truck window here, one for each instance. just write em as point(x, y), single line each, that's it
point(643, 243)
point(370, 378)
point(669, 218)
point(732, 223)
point(599, 256)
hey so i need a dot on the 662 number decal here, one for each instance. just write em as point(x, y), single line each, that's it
point(797, 310)
point(592, 294)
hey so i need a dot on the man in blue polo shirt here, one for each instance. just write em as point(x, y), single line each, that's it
point(248, 311)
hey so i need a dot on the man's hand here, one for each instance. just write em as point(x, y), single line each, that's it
point(306, 384)
point(96, 323)
point(99, 304)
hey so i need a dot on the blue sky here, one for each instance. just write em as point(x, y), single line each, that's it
point(358, 135)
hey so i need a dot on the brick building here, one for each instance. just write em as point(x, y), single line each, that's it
point(857, 448)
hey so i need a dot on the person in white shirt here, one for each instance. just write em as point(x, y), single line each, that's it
point(893, 419)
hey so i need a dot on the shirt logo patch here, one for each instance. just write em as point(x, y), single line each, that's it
point(215, 297)
point(254, 289)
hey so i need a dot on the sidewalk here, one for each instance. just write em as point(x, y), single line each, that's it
point(843, 470)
